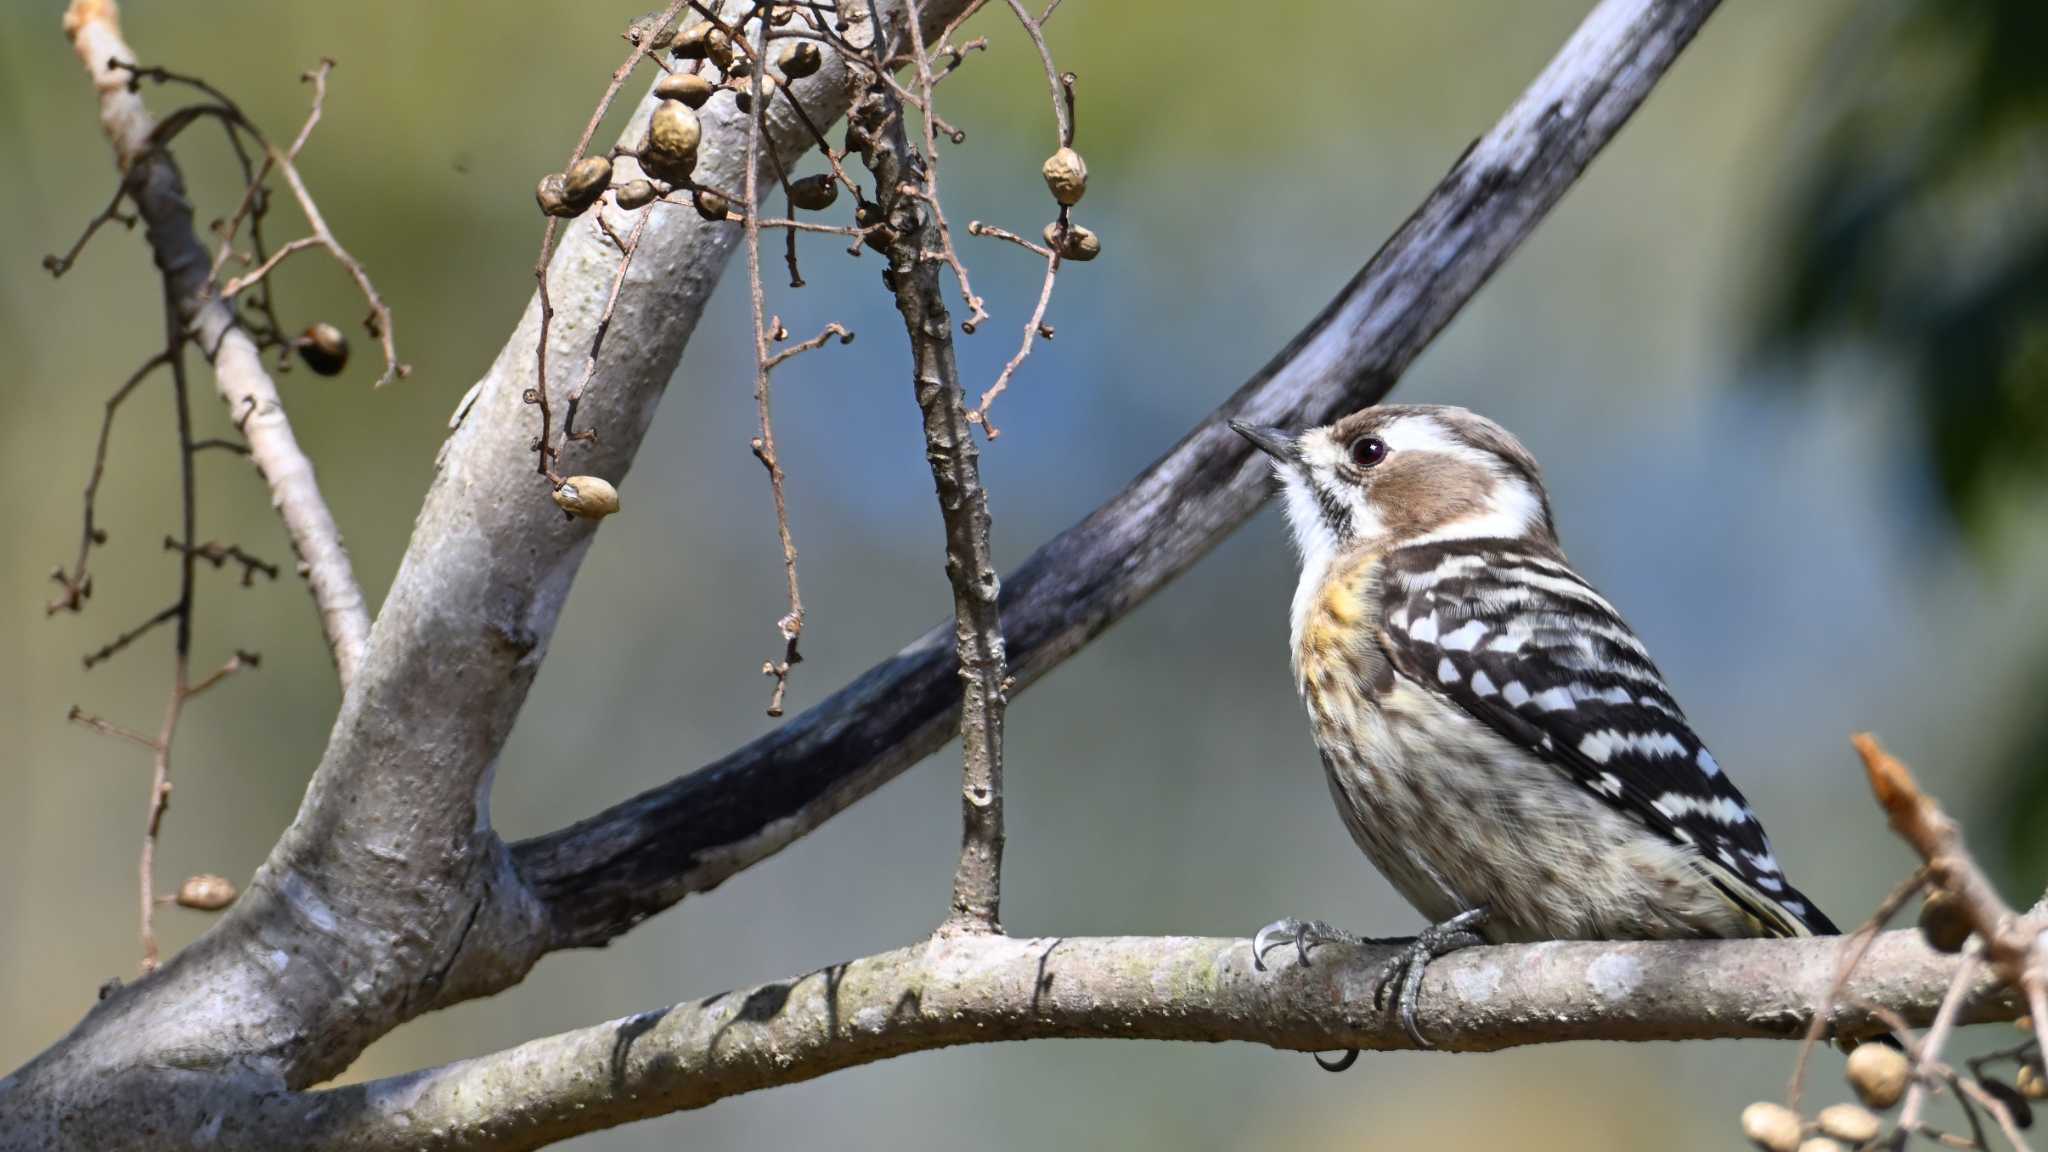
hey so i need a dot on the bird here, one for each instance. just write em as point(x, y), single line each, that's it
point(1497, 739)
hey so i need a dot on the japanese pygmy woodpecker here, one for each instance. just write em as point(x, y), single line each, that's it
point(1497, 739)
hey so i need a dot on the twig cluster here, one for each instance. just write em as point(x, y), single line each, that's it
point(759, 54)
point(185, 315)
point(1961, 912)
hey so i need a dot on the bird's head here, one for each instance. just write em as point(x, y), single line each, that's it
point(1404, 474)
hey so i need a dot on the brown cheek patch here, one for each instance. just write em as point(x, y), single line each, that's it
point(1417, 492)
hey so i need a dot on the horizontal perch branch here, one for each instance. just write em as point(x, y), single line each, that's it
point(979, 989)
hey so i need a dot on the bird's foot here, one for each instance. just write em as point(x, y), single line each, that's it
point(1400, 979)
point(1304, 935)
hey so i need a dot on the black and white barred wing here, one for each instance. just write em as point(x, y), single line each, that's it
point(1526, 646)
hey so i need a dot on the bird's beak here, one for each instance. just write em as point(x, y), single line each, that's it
point(1272, 441)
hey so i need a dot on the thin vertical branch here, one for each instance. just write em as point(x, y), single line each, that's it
point(181, 659)
point(956, 473)
point(791, 625)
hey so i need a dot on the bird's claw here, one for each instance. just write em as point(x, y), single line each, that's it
point(1400, 979)
point(1303, 934)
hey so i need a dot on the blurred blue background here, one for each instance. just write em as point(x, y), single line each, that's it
point(1774, 524)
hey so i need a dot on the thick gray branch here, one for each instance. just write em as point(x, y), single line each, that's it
point(607, 873)
point(978, 989)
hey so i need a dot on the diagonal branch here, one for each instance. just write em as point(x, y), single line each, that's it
point(609, 872)
point(979, 989)
point(157, 190)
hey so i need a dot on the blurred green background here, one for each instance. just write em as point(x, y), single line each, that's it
point(1745, 406)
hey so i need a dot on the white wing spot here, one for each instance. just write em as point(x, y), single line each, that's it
point(1555, 700)
point(1464, 638)
point(1511, 641)
point(1482, 685)
point(1424, 630)
point(1447, 671)
point(1601, 746)
point(1720, 809)
point(1515, 694)
point(1609, 783)
point(1705, 760)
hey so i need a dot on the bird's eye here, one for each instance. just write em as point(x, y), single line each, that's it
point(1368, 451)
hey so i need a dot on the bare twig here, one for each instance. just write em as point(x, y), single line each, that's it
point(834, 330)
point(791, 625)
point(1929, 1052)
point(59, 265)
point(379, 321)
point(1033, 329)
point(628, 248)
point(1062, 87)
point(538, 395)
point(157, 191)
point(928, 187)
point(86, 719)
point(77, 585)
point(2013, 943)
point(1854, 947)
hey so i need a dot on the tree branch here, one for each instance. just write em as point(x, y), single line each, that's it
point(878, 120)
point(157, 190)
point(389, 894)
point(607, 873)
point(980, 988)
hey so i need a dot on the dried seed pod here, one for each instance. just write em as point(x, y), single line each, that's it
point(1879, 1074)
point(588, 497)
point(205, 892)
point(799, 60)
point(323, 348)
point(673, 130)
point(2015, 1101)
point(694, 42)
point(1067, 175)
point(711, 205)
point(743, 95)
point(1772, 1127)
point(673, 134)
point(693, 90)
point(1849, 1123)
point(553, 195)
point(814, 193)
point(2030, 1083)
point(635, 194)
point(1943, 922)
point(718, 48)
point(586, 180)
point(1080, 245)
